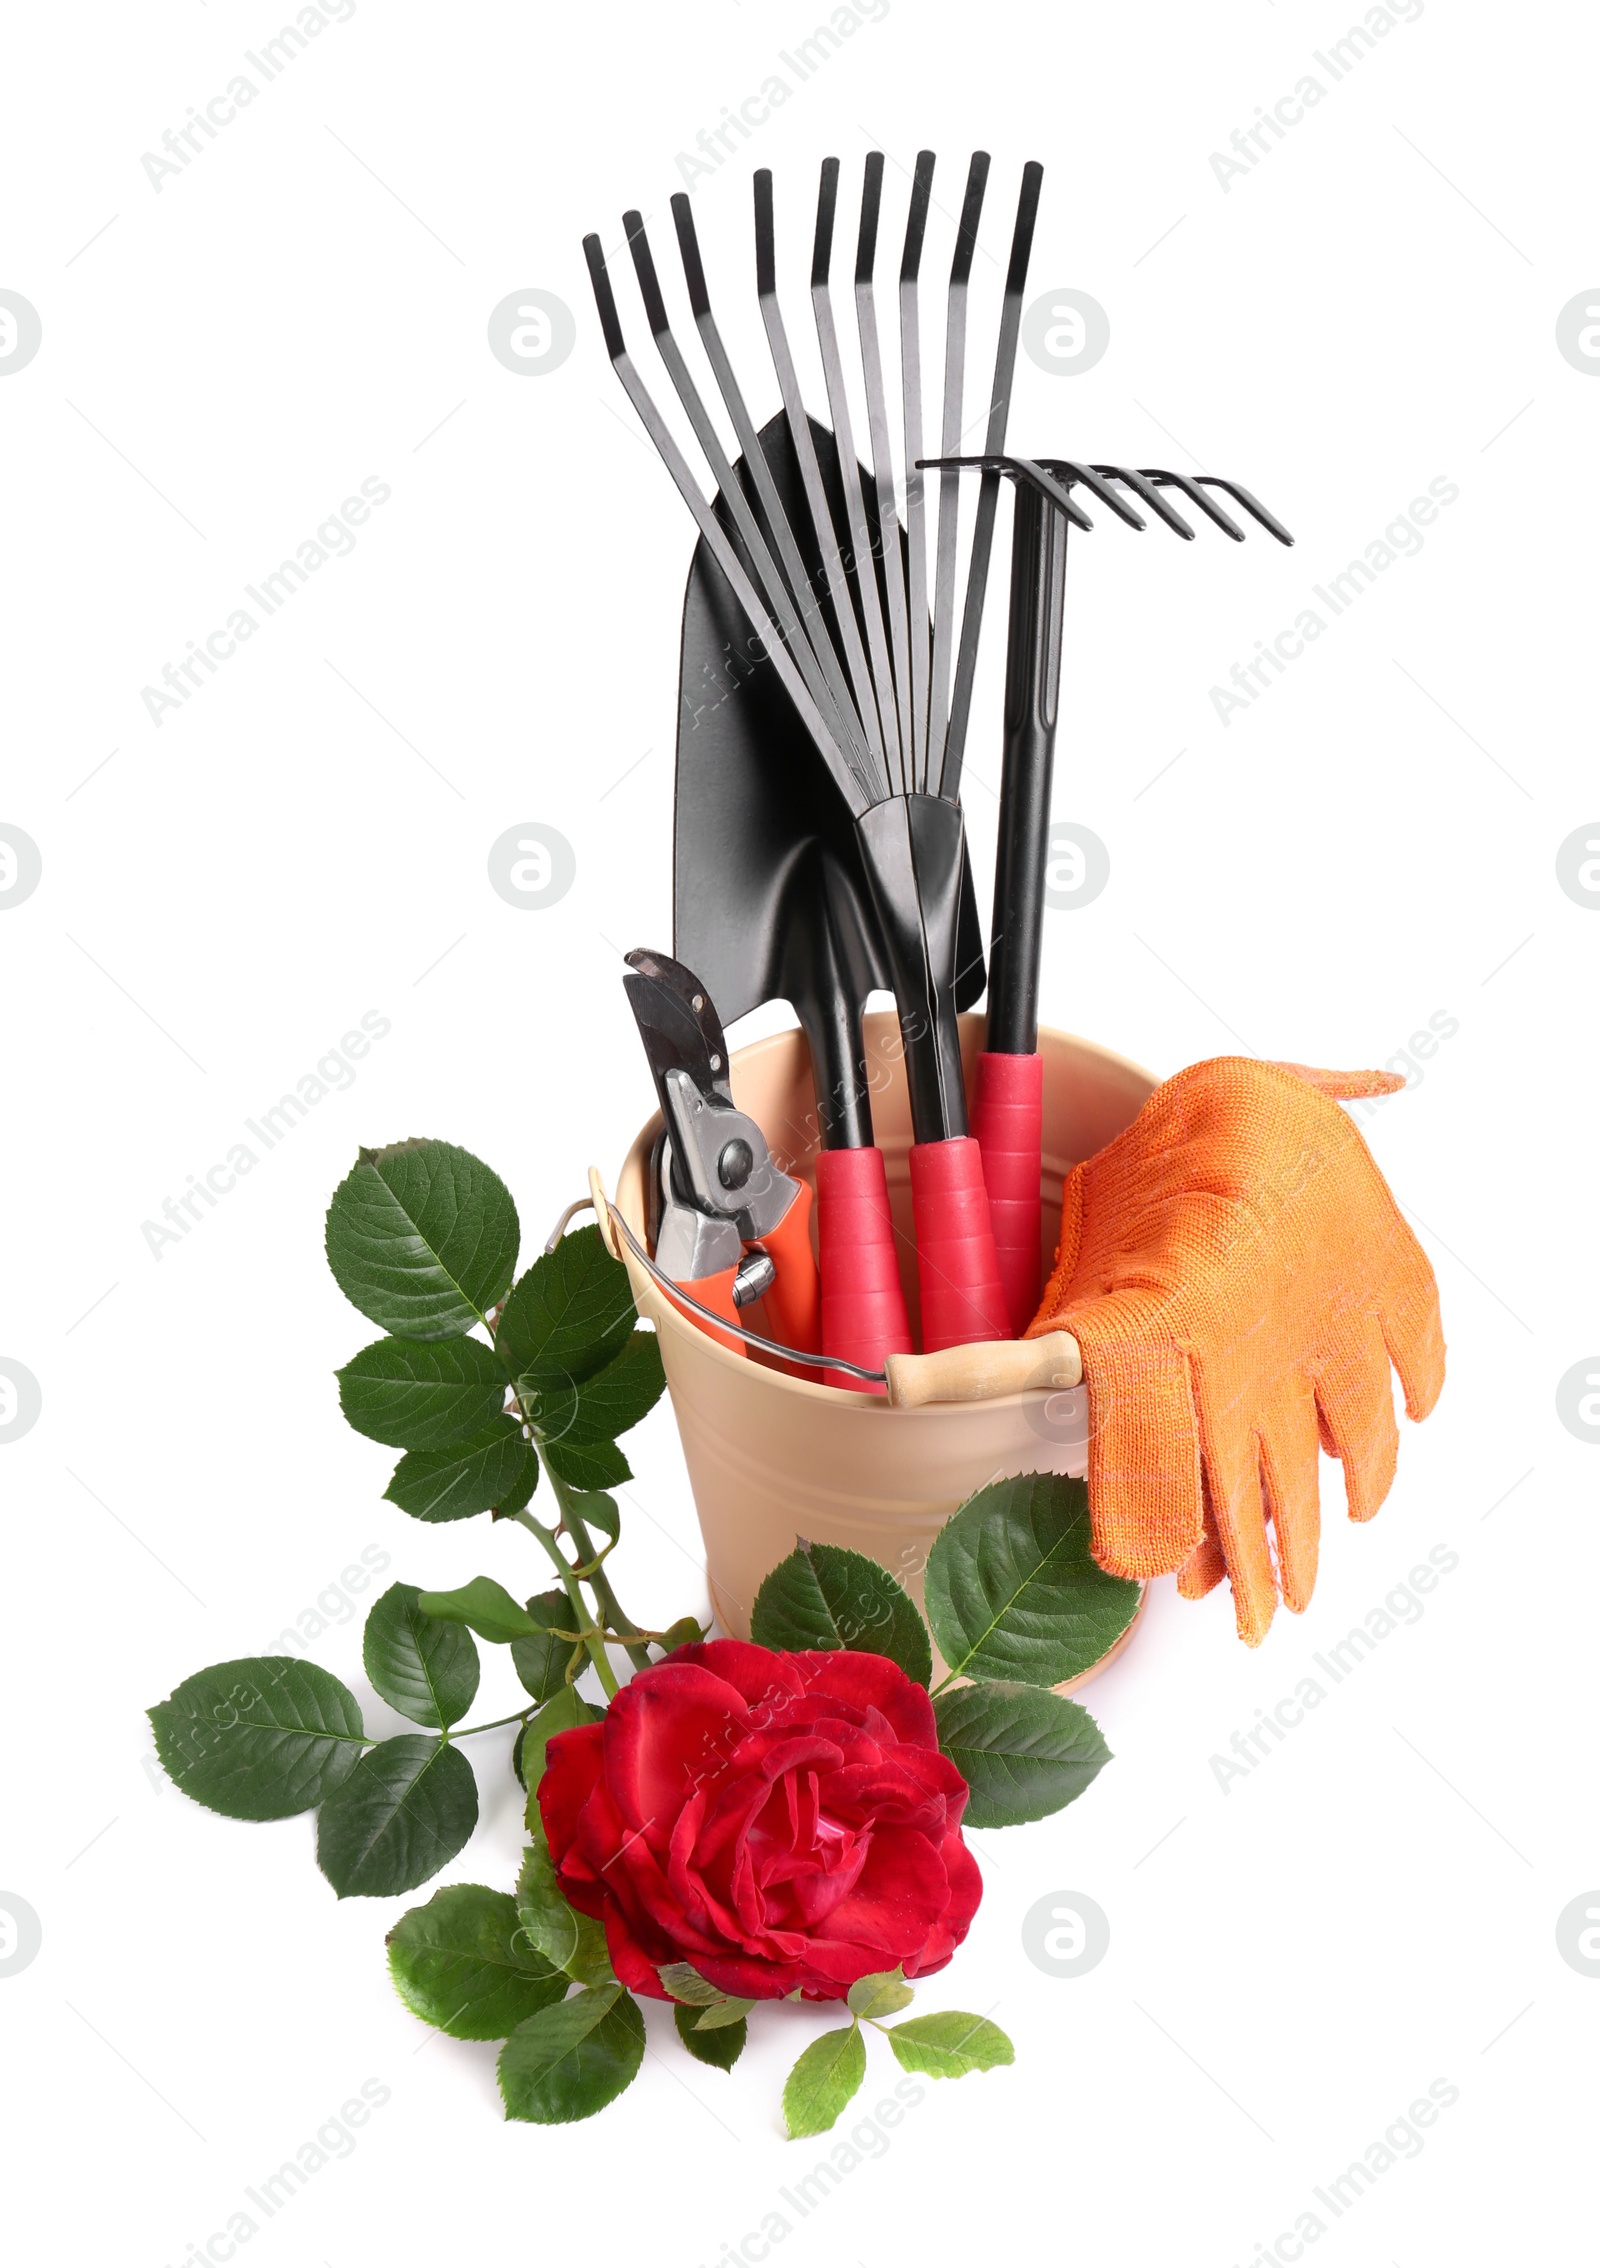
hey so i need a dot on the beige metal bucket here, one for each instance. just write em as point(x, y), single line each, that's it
point(772, 1457)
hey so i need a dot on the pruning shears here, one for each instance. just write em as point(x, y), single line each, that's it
point(733, 1227)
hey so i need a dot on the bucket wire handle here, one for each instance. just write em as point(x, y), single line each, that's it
point(976, 1373)
point(609, 1219)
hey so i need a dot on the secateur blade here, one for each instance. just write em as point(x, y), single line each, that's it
point(677, 1022)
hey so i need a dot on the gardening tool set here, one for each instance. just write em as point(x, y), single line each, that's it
point(820, 855)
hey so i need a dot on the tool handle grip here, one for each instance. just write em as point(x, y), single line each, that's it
point(792, 1300)
point(978, 1374)
point(1008, 1127)
point(863, 1306)
point(716, 1292)
point(957, 1266)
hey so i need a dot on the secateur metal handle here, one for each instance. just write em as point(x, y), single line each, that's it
point(977, 1373)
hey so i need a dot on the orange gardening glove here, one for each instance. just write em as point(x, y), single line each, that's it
point(1239, 1279)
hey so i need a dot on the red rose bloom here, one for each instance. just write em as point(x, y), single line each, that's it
point(778, 1820)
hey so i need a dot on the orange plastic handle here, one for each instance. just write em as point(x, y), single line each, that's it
point(716, 1292)
point(793, 1299)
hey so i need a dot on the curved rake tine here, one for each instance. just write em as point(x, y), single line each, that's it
point(1005, 362)
point(1150, 495)
point(1068, 468)
point(911, 401)
point(755, 457)
point(1197, 497)
point(856, 792)
point(1023, 469)
point(833, 567)
point(877, 699)
point(780, 601)
point(955, 356)
point(882, 459)
point(1251, 504)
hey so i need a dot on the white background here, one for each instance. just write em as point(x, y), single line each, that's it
point(1371, 306)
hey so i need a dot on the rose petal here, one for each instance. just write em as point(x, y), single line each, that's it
point(872, 1681)
point(572, 1766)
point(900, 1895)
point(757, 1673)
point(673, 1726)
point(966, 1889)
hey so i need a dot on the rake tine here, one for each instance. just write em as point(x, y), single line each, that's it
point(1024, 469)
point(955, 355)
point(1197, 497)
point(882, 460)
point(780, 600)
point(755, 457)
point(833, 568)
point(1068, 468)
point(1251, 504)
point(916, 528)
point(1151, 496)
point(1005, 362)
point(856, 792)
point(880, 683)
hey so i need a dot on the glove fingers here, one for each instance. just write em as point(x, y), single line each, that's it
point(1289, 1483)
point(1355, 1412)
point(1413, 1329)
point(1205, 1566)
point(1144, 1457)
point(1233, 1478)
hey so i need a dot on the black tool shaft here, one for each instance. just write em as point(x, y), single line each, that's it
point(1005, 363)
point(879, 694)
point(955, 355)
point(1033, 691)
point(891, 564)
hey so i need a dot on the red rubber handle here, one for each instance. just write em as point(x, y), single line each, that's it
point(716, 1292)
point(863, 1307)
point(792, 1300)
point(1008, 1126)
point(957, 1267)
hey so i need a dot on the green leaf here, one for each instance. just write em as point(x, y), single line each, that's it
point(571, 2060)
point(260, 1738)
point(403, 1813)
point(879, 1995)
point(722, 2012)
point(426, 1669)
point(476, 1476)
point(721, 2048)
point(571, 1942)
point(601, 1407)
point(462, 1964)
point(596, 1510)
point(541, 1661)
point(484, 1606)
point(1012, 1591)
point(684, 1981)
point(1022, 1750)
point(588, 1464)
point(422, 1237)
point(821, 1597)
point(823, 2081)
point(949, 2045)
point(422, 1394)
point(685, 1631)
point(560, 1713)
point(570, 1314)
